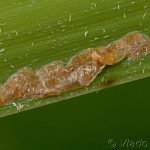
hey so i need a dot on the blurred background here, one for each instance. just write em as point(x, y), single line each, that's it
point(85, 122)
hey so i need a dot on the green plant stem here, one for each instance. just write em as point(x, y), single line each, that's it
point(35, 33)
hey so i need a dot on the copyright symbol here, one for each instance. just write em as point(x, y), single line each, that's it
point(112, 142)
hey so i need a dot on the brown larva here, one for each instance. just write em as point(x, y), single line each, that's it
point(20, 85)
point(80, 71)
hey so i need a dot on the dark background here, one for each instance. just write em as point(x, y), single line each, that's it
point(85, 122)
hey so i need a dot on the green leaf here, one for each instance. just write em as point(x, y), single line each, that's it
point(34, 33)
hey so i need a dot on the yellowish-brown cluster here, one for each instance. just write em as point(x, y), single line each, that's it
point(56, 77)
